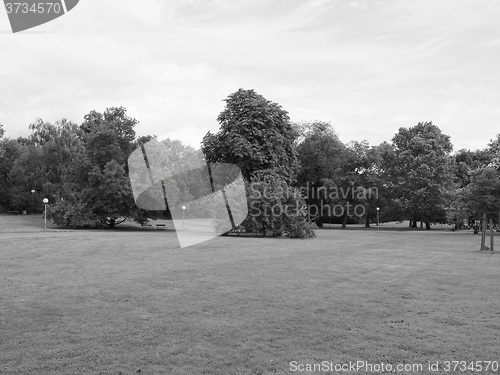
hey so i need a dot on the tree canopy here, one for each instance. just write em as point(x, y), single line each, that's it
point(255, 134)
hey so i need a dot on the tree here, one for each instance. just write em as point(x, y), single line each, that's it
point(464, 163)
point(421, 172)
point(322, 159)
point(370, 164)
point(10, 150)
point(320, 153)
point(482, 197)
point(336, 175)
point(95, 187)
point(255, 134)
point(27, 172)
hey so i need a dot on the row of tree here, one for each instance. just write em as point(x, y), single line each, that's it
point(83, 170)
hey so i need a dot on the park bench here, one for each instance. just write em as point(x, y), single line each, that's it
point(13, 212)
point(157, 226)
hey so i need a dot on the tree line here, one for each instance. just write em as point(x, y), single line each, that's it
point(82, 169)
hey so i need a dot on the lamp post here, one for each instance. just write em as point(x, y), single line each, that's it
point(183, 212)
point(45, 201)
point(33, 203)
point(378, 220)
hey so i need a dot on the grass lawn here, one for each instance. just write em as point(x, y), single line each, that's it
point(128, 302)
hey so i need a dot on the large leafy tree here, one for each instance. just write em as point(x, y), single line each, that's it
point(96, 189)
point(323, 162)
point(421, 172)
point(477, 179)
point(320, 152)
point(255, 134)
point(9, 151)
point(464, 165)
point(482, 197)
point(337, 175)
point(33, 166)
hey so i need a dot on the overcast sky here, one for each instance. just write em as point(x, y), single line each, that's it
point(368, 67)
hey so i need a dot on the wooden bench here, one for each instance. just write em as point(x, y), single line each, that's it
point(157, 226)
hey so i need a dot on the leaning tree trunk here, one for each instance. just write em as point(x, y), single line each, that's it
point(483, 231)
point(491, 234)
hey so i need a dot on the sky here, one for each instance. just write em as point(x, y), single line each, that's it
point(368, 67)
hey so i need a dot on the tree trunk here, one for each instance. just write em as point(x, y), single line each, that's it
point(491, 234)
point(344, 220)
point(427, 225)
point(319, 221)
point(421, 224)
point(483, 231)
point(367, 224)
point(414, 225)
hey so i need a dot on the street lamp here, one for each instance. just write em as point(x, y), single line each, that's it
point(378, 220)
point(45, 201)
point(33, 202)
point(183, 212)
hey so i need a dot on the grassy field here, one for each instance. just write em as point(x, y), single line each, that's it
point(128, 302)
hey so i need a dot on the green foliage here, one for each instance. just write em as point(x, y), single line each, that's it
point(321, 154)
point(10, 151)
point(71, 213)
point(421, 171)
point(96, 189)
point(274, 208)
point(255, 134)
point(327, 163)
point(482, 195)
point(108, 136)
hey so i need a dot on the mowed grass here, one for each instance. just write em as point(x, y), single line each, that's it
point(111, 302)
